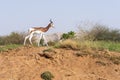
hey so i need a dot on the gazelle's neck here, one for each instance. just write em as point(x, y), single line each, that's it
point(43, 29)
point(47, 28)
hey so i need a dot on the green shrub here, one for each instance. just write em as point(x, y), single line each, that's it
point(68, 35)
point(47, 75)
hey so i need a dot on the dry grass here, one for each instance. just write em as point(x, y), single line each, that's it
point(87, 45)
point(69, 43)
point(77, 45)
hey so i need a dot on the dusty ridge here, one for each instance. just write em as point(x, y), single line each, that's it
point(28, 63)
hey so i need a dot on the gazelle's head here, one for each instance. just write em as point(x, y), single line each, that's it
point(51, 23)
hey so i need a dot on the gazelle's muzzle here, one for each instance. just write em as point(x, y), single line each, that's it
point(53, 26)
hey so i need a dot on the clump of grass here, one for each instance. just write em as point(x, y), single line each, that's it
point(47, 75)
point(69, 43)
point(8, 47)
point(88, 45)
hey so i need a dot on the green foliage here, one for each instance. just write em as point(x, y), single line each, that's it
point(68, 35)
point(47, 75)
point(110, 45)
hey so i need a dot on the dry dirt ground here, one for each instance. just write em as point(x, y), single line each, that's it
point(28, 63)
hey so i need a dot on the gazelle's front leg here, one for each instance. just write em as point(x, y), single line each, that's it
point(45, 40)
point(26, 39)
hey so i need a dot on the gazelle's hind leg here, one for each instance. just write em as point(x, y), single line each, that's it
point(39, 39)
point(26, 39)
point(45, 40)
point(30, 37)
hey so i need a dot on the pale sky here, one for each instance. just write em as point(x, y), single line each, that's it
point(19, 15)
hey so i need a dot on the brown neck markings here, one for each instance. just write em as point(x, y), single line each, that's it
point(43, 29)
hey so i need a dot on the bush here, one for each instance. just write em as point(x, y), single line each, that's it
point(13, 38)
point(104, 33)
point(100, 32)
point(68, 35)
point(47, 75)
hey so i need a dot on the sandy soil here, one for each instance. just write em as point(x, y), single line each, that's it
point(28, 63)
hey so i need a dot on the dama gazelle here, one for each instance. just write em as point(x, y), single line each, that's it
point(38, 30)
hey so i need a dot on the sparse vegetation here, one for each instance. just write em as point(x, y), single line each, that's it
point(91, 50)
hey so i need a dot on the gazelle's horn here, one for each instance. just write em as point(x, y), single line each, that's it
point(51, 21)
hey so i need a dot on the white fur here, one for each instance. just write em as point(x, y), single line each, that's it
point(30, 29)
point(35, 32)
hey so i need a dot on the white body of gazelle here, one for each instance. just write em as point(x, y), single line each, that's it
point(38, 30)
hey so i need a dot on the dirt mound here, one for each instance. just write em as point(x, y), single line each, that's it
point(28, 63)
